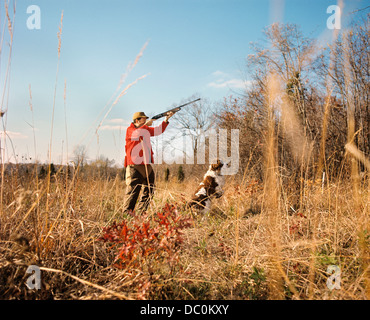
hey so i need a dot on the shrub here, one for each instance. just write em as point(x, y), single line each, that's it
point(147, 241)
point(180, 174)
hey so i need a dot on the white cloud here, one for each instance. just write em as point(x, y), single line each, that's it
point(119, 120)
point(109, 127)
point(219, 73)
point(232, 83)
point(115, 124)
point(13, 135)
point(225, 80)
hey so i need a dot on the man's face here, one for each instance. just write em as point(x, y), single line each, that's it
point(140, 121)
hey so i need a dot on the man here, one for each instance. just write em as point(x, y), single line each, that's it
point(138, 160)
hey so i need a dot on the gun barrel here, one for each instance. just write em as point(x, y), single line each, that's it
point(174, 110)
point(183, 105)
point(163, 114)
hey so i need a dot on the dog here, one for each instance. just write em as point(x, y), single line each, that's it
point(211, 186)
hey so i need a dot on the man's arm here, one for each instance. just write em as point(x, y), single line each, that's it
point(159, 129)
point(150, 121)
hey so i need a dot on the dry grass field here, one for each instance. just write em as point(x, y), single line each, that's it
point(245, 248)
point(279, 234)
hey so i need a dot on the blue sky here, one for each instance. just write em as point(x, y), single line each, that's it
point(194, 47)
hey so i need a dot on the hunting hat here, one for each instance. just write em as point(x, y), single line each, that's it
point(138, 115)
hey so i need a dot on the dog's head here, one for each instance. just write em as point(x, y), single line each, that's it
point(217, 167)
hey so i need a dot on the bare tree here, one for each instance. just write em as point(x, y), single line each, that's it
point(347, 63)
point(79, 155)
point(286, 52)
point(243, 114)
point(194, 121)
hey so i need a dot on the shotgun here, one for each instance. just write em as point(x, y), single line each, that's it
point(174, 110)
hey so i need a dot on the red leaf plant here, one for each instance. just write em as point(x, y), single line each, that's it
point(147, 237)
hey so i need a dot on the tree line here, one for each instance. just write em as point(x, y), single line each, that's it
point(316, 98)
point(310, 99)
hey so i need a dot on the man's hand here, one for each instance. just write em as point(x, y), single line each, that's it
point(169, 115)
point(149, 122)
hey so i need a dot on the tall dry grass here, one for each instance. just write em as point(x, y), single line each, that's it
point(248, 247)
point(261, 240)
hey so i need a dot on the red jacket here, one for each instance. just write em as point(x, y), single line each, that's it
point(139, 138)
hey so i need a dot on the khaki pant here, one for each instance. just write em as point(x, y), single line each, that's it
point(137, 179)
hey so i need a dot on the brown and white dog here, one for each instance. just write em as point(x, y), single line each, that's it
point(211, 186)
